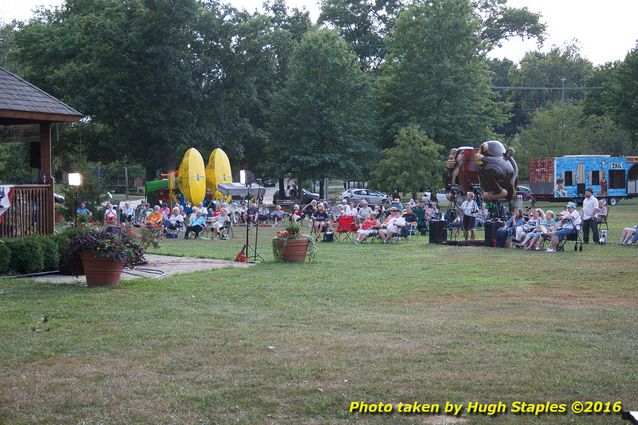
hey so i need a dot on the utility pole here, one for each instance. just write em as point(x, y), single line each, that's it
point(562, 90)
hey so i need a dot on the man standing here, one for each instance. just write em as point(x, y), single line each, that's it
point(469, 208)
point(590, 209)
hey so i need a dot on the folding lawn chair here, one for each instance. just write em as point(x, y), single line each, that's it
point(574, 238)
point(346, 228)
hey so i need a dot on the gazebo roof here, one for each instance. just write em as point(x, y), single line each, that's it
point(24, 103)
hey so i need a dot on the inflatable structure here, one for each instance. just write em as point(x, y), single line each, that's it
point(193, 182)
point(497, 171)
point(490, 171)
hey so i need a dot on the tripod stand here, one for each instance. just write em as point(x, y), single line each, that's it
point(247, 249)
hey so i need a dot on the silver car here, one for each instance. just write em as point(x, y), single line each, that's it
point(373, 197)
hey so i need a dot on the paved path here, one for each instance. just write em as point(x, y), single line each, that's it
point(169, 265)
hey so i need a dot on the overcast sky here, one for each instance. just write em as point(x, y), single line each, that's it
point(606, 30)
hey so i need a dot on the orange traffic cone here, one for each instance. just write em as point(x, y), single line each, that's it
point(241, 257)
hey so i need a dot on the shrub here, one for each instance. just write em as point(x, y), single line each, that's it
point(50, 254)
point(5, 257)
point(26, 255)
point(63, 239)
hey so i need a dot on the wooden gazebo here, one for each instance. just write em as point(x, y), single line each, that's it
point(23, 107)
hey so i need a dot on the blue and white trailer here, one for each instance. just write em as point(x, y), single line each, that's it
point(566, 177)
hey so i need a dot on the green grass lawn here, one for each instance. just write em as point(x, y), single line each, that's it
point(279, 343)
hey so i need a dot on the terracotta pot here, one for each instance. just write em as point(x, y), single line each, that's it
point(293, 250)
point(100, 271)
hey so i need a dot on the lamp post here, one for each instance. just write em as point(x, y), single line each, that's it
point(75, 181)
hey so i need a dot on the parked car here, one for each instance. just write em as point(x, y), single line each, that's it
point(307, 196)
point(441, 197)
point(357, 195)
point(525, 192)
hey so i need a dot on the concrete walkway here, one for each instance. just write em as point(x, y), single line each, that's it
point(158, 266)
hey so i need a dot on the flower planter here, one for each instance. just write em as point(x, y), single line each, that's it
point(293, 250)
point(100, 271)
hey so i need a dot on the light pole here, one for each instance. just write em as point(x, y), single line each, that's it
point(562, 90)
point(75, 181)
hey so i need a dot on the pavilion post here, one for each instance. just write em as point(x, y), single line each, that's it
point(45, 175)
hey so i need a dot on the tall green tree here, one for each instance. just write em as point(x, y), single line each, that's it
point(320, 124)
point(155, 77)
point(436, 77)
point(126, 64)
point(540, 78)
point(365, 23)
point(500, 22)
point(621, 94)
point(413, 164)
point(564, 129)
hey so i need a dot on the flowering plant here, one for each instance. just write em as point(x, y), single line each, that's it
point(120, 243)
point(293, 231)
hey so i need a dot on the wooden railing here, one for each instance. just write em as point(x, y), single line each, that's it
point(31, 212)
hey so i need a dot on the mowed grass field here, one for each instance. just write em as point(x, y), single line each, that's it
point(296, 344)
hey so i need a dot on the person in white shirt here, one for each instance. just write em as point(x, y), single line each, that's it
point(203, 209)
point(350, 209)
point(219, 222)
point(569, 224)
point(127, 213)
point(590, 209)
point(363, 211)
point(110, 216)
point(175, 220)
point(469, 208)
point(392, 226)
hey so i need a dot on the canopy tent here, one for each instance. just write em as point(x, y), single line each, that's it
point(241, 190)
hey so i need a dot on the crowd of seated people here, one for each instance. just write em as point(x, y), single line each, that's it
point(539, 226)
point(534, 238)
point(527, 230)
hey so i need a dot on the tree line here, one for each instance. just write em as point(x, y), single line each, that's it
point(375, 89)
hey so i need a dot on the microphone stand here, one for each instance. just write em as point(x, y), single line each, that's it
point(247, 248)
